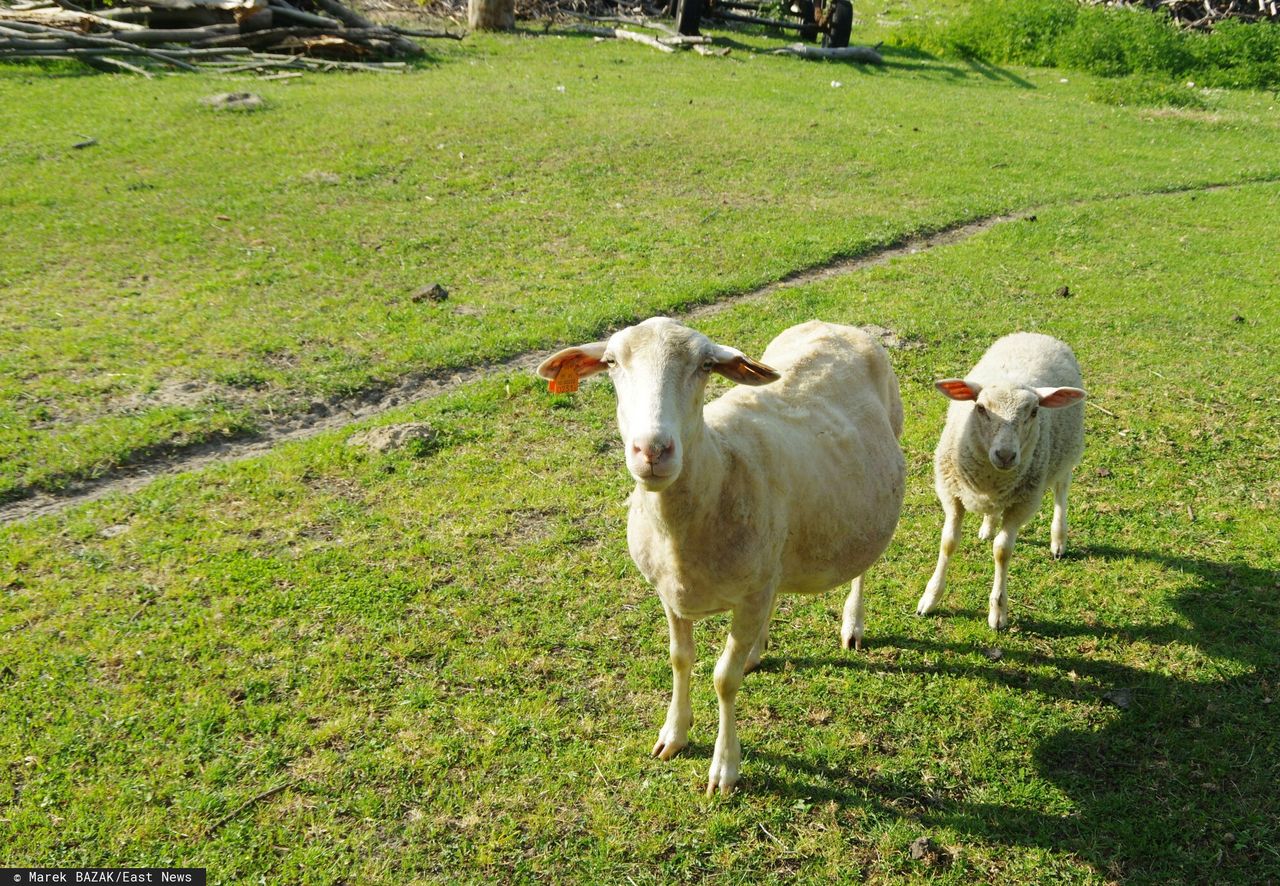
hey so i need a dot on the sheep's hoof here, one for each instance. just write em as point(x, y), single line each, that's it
point(750, 666)
point(854, 643)
point(722, 779)
point(1058, 549)
point(669, 744)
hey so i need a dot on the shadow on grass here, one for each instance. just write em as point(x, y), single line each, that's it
point(1180, 786)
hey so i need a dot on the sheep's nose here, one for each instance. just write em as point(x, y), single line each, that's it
point(655, 449)
point(1004, 458)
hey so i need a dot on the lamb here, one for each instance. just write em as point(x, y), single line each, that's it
point(791, 488)
point(1015, 427)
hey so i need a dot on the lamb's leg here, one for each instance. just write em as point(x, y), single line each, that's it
point(987, 530)
point(933, 591)
point(762, 642)
point(1002, 550)
point(855, 615)
point(743, 633)
point(675, 732)
point(1058, 534)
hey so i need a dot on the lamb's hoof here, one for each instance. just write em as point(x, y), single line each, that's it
point(750, 666)
point(1058, 550)
point(997, 621)
point(854, 643)
point(927, 603)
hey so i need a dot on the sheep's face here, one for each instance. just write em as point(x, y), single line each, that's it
point(1005, 419)
point(1006, 423)
point(659, 370)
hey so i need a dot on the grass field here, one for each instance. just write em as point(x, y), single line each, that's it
point(192, 275)
point(443, 662)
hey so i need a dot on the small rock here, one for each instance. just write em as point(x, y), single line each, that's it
point(234, 101)
point(1104, 472)
point(434, 292)
point(389, 437)
point(994, 653)
point(114, 530)
point(1121, 698)
point(1063, 292)
point(86, 141)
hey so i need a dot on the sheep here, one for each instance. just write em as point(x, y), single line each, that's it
point(1015, 426)
point(791, 488)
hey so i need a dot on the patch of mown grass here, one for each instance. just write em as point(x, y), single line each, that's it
point(453, 663)
point(277, 262)
point(1107, 41)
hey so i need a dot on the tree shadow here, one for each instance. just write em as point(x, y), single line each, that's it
point(1180, 784)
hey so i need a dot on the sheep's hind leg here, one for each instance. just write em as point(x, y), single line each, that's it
point(933, 591)
point(675, 732)
point(743, 633)
point(1002, 552)
point(762, 642)
point(987, 530)
point(1058, 532)
point(855, 616)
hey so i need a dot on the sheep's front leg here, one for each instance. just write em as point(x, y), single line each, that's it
point(675, 732)
point(855, 616)
point(1002, 551)
point(743, 633)
point(1058, 533)
point(937, 585)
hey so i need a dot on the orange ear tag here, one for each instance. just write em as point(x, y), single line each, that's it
point(566, 380)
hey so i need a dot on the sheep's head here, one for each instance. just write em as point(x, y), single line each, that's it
point(659, 370)
point(1005, 419)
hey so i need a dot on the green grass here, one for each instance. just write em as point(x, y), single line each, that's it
point(1103, 40)
point(193, 275)
point(455, 666)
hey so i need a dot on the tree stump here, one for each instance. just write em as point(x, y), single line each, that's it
point(491, 15)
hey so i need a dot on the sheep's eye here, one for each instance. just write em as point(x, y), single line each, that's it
point(708, 365)
point(982, 410)
point(1035, 410)
point(609, 360)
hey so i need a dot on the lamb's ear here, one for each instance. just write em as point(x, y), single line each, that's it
point(563, 369)
point(738, 367)
point(1052, 398)
point(958, 388)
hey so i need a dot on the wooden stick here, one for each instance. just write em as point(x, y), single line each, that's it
point(100, 42)
point(306, 18)
point(247, 803)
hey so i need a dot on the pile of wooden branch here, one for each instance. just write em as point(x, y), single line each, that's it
point(1204, 14)
point(189, 34)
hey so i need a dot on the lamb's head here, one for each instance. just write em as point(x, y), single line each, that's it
point(659, 370)
point(1005, 419)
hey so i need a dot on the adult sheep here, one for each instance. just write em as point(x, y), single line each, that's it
point(1014, 428)
point(790, 488)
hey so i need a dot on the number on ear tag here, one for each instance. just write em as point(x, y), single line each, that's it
point(566, 380)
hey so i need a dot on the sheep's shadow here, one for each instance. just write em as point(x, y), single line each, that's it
point(1178, 786)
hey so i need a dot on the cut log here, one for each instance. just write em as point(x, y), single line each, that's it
point(864, 54)
point(636, 37)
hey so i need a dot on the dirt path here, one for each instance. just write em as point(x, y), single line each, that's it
point(415, 388)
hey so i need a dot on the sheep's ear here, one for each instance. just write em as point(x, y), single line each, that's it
point(563, 369)
point(738, 367)
point(1052, 398)
point(958, 388)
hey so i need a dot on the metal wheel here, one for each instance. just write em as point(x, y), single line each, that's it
point(839, 24)
point(688, 14)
